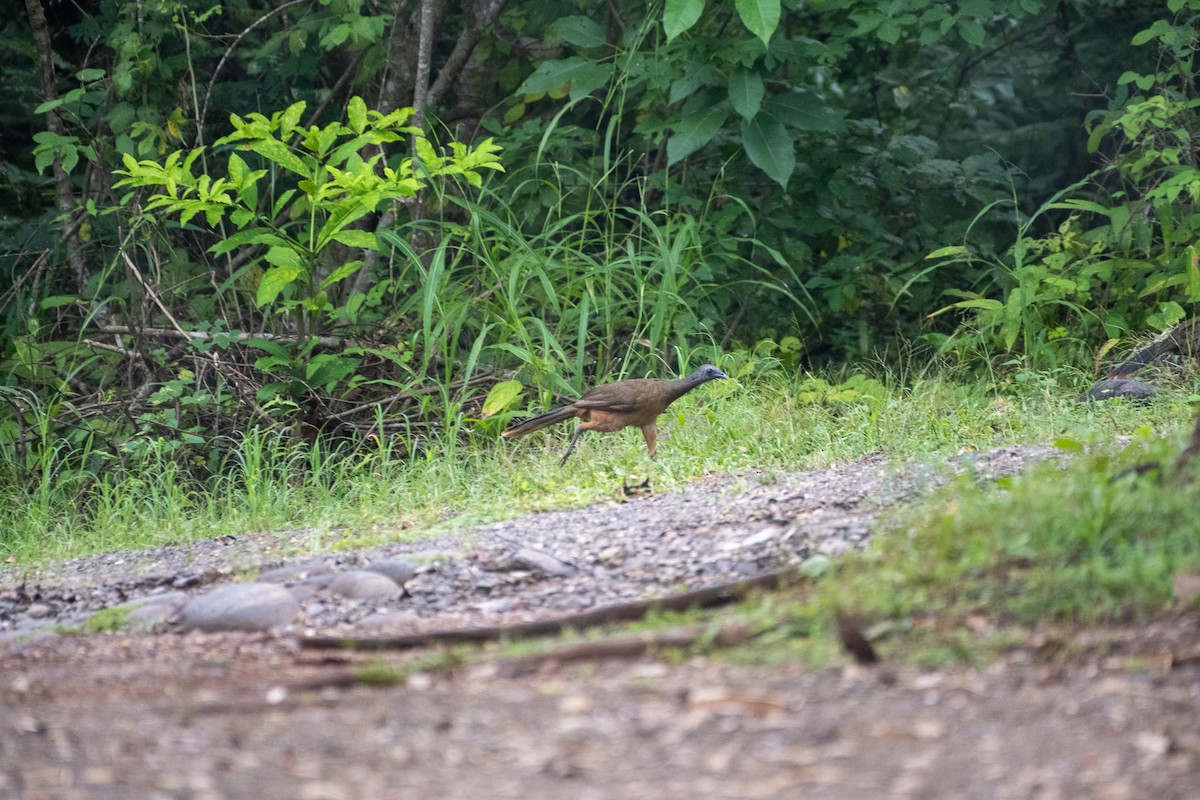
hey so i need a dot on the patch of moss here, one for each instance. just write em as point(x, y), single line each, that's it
point(107, 620)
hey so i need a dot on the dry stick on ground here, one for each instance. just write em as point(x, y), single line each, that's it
point(629, 646)
point(706, 597)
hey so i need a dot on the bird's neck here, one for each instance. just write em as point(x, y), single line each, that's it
point(682, 386)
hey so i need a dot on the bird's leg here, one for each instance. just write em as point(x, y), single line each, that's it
point(571, 447)
point(650, 431)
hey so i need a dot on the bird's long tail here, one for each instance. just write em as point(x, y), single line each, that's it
point(541, 421)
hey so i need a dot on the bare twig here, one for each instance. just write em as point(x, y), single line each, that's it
point(220, 64)
point(110, 347)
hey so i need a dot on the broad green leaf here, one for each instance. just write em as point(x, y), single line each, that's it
point(579, 31)
point(702, 116)
point(695, 75)
point(888, 31)
point(553, 74)
point(327, 369)
point(277, 151)
point(237, 169)
point(983, 304)
point(1014, 313)
point(283, 256)
point(1077, 204)
point(57, 300)
point(357, 238)
point(955, 250)
point(274, 281)
point(500, 397)
point(770, 147)
point(1193, 276)
point(971, 32)
point(291, 117)
point(679, 15)
point(48, 105)
point(804, 111)
point(269, 346)
point(341, 273)
point(590, 80)
point(761, 17)
point(746, 92)
point(87, 75)
point(356, 112)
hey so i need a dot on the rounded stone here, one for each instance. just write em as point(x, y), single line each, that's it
point(239, 607)
point(360, 584)
point(399, 570)
point(291, 572)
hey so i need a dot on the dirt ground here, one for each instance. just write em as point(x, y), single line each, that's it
point(250, 716)
point(208, 716)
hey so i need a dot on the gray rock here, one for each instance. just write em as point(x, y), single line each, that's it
point(291, 572)
point(305, 589)
point(144, 616)
point(498, 606)
point(239, 607)
point(38, 610)
point(175, 599)
point(360, 584)
point(399, 570)
point(535, 560)
point(387, 619)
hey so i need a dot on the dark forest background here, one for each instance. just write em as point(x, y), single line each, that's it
point(416, 217)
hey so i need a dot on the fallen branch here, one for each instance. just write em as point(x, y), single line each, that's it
point(630, 646)
point(207, 336)
point(707, 597)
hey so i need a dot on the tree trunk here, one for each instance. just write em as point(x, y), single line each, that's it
point(64, 191)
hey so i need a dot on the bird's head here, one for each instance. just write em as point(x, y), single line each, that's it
point(708, 373)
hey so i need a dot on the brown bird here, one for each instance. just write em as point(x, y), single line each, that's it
point(614, 406)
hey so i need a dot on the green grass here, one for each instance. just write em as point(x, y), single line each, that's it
point(757, 423)
point(1057, 547)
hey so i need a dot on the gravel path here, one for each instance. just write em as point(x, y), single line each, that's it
point(718, 529)
point(156, 712)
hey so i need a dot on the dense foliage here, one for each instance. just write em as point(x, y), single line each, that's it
point(414, 216)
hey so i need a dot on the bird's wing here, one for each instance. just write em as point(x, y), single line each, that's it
point(613, 405)
point(622, 397)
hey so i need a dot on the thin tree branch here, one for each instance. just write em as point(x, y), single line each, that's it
point(464, 48)
point(221, 64)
